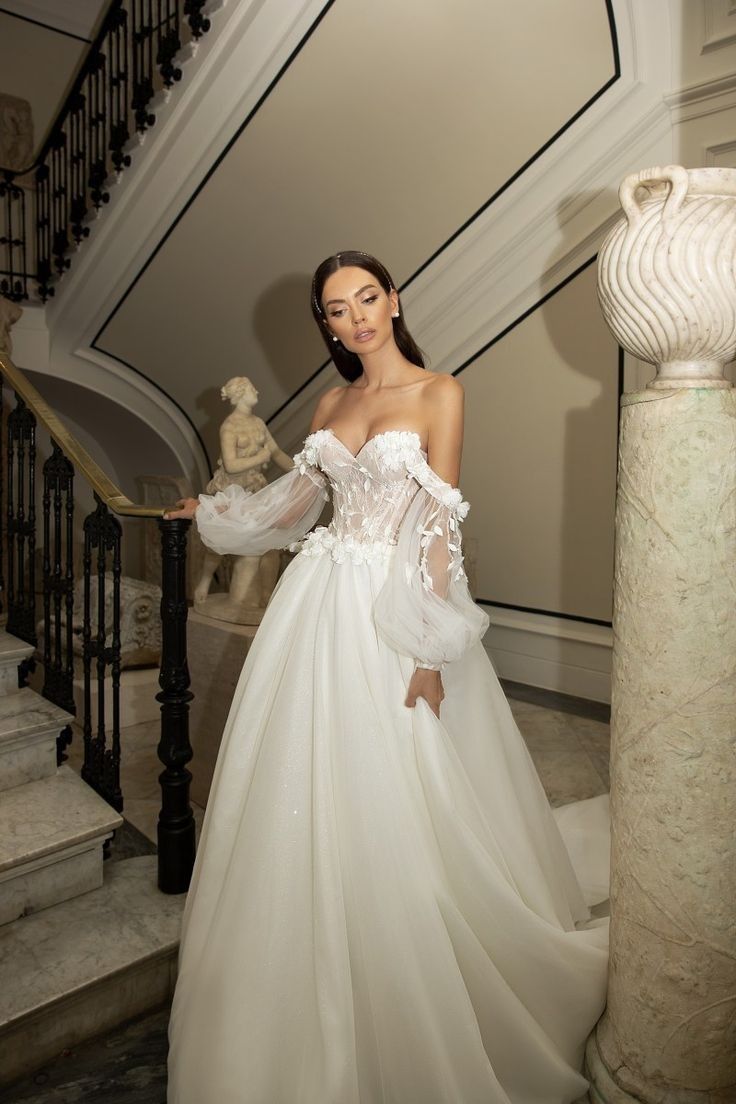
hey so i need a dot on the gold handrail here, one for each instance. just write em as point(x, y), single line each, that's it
point(101, 484)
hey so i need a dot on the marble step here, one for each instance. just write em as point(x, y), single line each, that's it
point(85, 966)
point(12, 652)
point(29, 725)
point(51, 836)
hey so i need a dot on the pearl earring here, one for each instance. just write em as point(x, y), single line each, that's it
point(334, 337)
point(395, 315)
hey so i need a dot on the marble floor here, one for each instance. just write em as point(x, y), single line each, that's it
point(569, 741)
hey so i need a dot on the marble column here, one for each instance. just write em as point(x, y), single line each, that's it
point(668, 1035)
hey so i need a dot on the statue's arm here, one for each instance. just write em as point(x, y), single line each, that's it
point(277, 454)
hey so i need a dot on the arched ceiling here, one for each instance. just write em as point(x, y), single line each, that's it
point(392, 127)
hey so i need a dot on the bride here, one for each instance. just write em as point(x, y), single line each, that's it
point(382, 909)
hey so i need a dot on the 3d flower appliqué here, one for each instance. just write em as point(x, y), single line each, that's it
point(309, 454)
point(396, 448)
point(321, 541)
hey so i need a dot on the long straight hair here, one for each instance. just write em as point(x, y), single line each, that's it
point(348, 364)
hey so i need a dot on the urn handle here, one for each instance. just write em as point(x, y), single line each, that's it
point(675, 175)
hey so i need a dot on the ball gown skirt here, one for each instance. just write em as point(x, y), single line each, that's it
point(383, 910)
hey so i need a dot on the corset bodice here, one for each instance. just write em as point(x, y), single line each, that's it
point(371, 490)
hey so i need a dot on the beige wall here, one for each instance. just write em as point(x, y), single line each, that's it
point(539, 463)
point(38, 65)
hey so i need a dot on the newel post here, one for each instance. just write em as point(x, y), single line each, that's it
point(176, 843)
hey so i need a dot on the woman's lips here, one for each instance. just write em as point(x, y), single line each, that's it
point(364, 335)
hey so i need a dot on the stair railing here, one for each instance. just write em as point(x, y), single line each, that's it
point(101, 644)
point(47, 207)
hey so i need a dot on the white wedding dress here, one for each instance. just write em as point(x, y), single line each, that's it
point(382, 909)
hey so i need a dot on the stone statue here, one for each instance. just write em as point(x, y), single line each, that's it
point(16, 133)
point(246, 450)
point(140, 623)
point(9, 314)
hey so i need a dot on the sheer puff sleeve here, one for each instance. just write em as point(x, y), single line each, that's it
point(241, 523)
point(424, 609)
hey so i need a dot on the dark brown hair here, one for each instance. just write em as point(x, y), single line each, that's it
point(347, 363)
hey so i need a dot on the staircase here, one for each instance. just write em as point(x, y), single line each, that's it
point(84, 944)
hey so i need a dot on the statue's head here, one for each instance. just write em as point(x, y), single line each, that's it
point(237, 388)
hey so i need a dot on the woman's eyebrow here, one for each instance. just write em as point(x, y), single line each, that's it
point(355, 295)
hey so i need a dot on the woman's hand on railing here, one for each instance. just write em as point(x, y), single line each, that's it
point(185, 509)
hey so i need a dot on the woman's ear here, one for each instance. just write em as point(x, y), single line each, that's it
point(393, 298)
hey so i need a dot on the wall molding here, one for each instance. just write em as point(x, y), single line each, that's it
point(720, 25)
point(703, 98)
point(572, 657)
point(721, 155)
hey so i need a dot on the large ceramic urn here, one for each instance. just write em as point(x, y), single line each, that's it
point(667, 273)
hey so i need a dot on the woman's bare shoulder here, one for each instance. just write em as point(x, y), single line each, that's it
point(443, 387)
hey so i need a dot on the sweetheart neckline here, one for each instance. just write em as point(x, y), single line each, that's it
point(383, 433)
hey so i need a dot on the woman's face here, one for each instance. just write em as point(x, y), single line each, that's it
point(358, 310)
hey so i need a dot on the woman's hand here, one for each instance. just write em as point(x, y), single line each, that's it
point(428, 685)
point(185, 508)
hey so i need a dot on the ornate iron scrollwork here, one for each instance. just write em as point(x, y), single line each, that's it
point(101, 647)
point(58, 586)
point(20, 504)
point(176, 821)
point(133, 57)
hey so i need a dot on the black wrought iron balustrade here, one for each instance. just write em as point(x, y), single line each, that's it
point(101, 720)
point(46, 208)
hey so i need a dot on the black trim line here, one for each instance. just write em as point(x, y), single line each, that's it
point(545, 613)
point(522, 317)
point(535, 156)
point(165, 393)
point(620, 382)
point(46, 26)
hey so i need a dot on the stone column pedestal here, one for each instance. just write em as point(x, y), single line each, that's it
point(668, 1035)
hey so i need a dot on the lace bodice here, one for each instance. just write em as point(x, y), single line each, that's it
point(388, 505)
point(370, 491)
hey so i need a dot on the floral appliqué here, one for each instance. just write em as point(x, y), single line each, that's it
point(397, 448)
point(322, 541)
point(309, 455)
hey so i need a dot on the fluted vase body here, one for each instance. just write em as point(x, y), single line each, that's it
point(667, 273)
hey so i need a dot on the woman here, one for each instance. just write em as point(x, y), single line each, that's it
point(382, 909)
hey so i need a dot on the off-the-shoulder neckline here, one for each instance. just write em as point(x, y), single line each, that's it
point(375, 437)
point(421, 470)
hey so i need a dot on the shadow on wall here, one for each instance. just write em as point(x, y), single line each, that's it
point(281, 316)
point(280, 319)
point(117, 440)
point(589, 455)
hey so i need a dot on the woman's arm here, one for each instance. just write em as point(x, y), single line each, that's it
point(446, 417)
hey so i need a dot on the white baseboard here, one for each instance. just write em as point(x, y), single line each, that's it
point(572, 657)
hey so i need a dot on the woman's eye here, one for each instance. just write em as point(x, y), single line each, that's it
point(336, 313)
point(370, 299)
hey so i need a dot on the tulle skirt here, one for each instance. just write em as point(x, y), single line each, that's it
point(383, 910)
